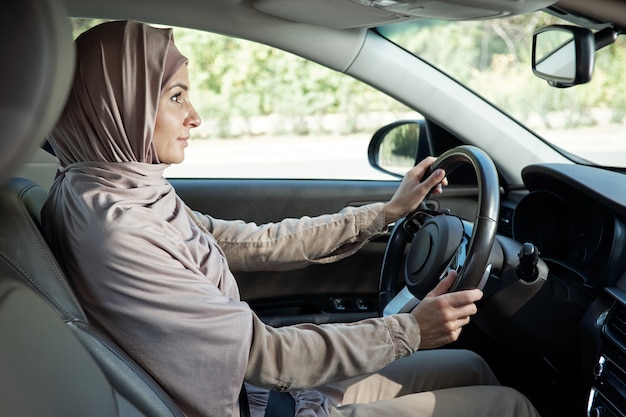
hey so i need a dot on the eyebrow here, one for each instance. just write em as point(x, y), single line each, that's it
point(181, 85)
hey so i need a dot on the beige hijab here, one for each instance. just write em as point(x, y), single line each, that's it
point(142, 268)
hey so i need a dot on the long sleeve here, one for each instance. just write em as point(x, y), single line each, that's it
point(307, 355)
point(295, 243)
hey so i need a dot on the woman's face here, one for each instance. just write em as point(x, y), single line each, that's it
point(174, 119)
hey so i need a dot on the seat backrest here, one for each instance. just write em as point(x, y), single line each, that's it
point(37, 58)
point(44, 370)
point(24, 251)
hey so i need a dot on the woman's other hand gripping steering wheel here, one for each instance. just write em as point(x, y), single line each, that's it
point(441, 315)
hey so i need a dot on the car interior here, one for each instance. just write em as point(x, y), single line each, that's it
point(565, 348)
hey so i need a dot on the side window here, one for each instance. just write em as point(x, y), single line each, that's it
point(267, 113)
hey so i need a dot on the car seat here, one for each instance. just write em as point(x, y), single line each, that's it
point(44, 370)
point(37, 66)
point(53, 362)
point(25, 256)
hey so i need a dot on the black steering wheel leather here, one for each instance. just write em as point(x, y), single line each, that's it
point(441, 242)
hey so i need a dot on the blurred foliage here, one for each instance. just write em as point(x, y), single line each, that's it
point(242, 78)
point(400, 146)
point(236, 81)
point(493, 57)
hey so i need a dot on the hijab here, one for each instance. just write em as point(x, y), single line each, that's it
point(143, 268)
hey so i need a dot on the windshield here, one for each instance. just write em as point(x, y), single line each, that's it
point(492, 57)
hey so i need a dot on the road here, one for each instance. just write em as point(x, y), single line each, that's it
point(345, 157)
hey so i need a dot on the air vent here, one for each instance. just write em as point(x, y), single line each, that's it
point(615, 328)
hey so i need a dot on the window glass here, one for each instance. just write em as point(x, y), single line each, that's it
point(492, 57)
point(270, 114)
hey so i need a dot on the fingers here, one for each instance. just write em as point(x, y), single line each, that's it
point(417, 173)
point(423, 165)
point(455, 305)
point(441, 319)
point(441, 315)
point(434, 180)
point(444, 285)
point(412, 190)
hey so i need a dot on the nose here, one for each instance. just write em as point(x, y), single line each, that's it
point(193, 118)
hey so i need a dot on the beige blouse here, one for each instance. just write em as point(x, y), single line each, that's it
point(295, 243)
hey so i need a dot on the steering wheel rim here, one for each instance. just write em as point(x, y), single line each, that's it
point(483, 233)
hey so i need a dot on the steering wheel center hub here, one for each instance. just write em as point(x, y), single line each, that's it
point(431, 250)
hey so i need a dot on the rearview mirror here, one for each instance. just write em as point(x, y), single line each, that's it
point(563, 55)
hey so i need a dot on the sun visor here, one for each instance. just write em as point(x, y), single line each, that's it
point(345, 14)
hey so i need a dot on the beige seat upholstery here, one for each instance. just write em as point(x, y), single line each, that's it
point(44, 370)
point(25, 257)
point(37, 59)
point(53, 362)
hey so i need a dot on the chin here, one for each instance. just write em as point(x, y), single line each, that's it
point(175, 158)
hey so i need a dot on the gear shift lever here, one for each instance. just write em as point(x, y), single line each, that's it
point(528, 258)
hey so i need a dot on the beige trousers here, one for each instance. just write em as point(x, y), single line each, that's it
point(437, 383)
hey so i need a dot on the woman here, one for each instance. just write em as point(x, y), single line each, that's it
point(155, 275)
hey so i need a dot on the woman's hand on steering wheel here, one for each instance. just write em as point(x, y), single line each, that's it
point(413, 190)
point(441, 314)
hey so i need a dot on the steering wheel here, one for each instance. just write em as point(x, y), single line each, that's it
point(441, 242)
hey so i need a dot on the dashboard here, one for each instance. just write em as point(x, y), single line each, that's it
point(576, 216)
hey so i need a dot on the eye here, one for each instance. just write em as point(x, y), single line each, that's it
point(177, 98)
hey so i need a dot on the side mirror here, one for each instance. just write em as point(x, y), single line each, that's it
point(563, 55)
point(394, 148)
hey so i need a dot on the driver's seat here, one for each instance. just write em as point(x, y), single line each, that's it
point(26, 257)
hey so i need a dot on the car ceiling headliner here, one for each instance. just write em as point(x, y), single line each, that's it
point(232, 16)
point(238, 18)
point(335, 48)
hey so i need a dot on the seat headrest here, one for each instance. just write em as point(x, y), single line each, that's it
point(37, 65)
